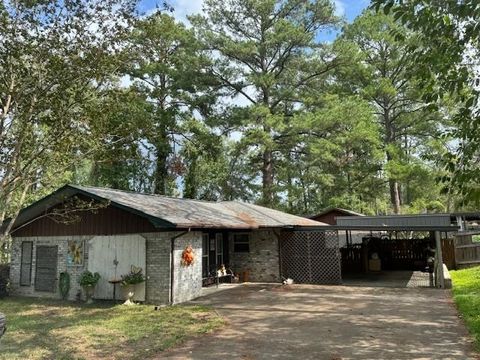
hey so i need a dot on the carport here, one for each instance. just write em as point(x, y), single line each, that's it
point(396, 242)
point(312, 255)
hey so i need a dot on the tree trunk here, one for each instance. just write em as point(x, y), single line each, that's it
point(394, 195)
point(162, 149)
point(267, 178)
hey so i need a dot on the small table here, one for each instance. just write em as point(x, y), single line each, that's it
point(114, 282)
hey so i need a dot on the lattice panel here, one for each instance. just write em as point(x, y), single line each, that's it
point(311, 257)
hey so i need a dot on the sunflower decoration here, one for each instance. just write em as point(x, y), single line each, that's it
point(188, 256)
point(75, 252)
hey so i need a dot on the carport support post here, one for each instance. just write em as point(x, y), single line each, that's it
point(439, 261)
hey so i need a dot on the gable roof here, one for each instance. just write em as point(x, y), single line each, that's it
point(170, 212)
point(336, 209)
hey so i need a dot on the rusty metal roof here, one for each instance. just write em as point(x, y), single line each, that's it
point(164, 211)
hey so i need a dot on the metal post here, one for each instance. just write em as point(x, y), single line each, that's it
point(439, 261)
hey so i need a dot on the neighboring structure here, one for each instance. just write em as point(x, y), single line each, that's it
point(108, 231)
point(330, 215)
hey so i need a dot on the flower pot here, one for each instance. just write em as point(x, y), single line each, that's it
point(128, 292)
point(89, 290)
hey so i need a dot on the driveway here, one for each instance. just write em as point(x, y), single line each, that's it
point(267, 321)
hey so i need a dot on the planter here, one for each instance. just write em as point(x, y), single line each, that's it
point(88, 290)
point(128, 292)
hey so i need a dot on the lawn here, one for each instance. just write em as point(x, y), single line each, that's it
point(50, 329)
point(466, 292)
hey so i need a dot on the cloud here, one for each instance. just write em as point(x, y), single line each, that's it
point(339, 8)
point(183, 8)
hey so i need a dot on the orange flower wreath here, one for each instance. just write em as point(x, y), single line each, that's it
point(187, 256)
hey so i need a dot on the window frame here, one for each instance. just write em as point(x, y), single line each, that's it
point(244, 242)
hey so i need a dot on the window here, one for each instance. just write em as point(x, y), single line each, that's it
point(26, 264)
point(241, 243)
point(219, 249)
point(205, 262)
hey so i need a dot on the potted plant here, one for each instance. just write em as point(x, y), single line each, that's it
point(88, 281)
point(130, 282)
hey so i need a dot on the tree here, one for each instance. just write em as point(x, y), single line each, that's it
point(446, 52)
point(383, 75)
point(266, 52)
point(54, 56)
point(168, 73)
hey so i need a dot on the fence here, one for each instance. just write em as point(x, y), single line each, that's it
point(310, 256)
point(395, 254)
point(467, 255)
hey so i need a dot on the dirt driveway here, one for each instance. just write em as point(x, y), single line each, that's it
point(331, 322)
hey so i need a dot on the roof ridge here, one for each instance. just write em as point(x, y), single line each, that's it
point(143, 193)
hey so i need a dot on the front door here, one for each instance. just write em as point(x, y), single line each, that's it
point(46, 268)
point(214, 252)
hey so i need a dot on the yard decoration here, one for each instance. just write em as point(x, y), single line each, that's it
point(64, 284)
point(130, 282)
point(187, 256)
point(88, 281)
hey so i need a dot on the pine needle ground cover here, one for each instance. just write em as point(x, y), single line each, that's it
point(466, 292)
point(50, 329)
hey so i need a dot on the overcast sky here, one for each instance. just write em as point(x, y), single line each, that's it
point(347, 8)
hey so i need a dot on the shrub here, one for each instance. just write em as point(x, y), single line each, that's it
point(135, 276)
point(89, 279)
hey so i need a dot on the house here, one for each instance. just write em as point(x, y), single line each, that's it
point(108, 231)
point(330, 215)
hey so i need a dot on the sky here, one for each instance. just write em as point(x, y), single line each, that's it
point(349, 9)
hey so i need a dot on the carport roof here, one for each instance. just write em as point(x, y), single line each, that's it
point(415, 222)
point(170, 212)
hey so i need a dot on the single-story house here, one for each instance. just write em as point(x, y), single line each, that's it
point(78, 228)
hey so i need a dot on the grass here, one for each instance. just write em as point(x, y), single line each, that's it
point(466, 292)
point(50, 329)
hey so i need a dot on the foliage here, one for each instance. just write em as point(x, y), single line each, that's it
point(89, 279)
point(64, 284)
point(73, 330)
point(266, 54)
point(135, 276)
point(445, 52)
point(466, 293)
point(409, 127)
point(54, 57)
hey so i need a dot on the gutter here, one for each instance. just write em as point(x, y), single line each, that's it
point(172, 262)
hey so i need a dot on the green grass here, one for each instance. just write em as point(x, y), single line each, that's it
point(50, 329)
point(466, 292)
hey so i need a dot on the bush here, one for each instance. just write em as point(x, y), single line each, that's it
point(89, 279)
point(135, 276)
point(4, 279)
point(64, 284)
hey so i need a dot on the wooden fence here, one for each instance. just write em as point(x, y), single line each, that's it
point(395, 254)
point(467, 255)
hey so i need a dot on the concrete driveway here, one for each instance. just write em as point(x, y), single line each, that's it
point(267, 321)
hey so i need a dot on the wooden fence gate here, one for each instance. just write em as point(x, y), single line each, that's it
point(310, 256)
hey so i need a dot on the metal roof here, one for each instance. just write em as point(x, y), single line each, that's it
point(419, 222)
point(330, 209)
point(170, 212)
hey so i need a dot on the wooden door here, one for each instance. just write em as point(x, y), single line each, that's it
point(112, 257)
point(46, 268)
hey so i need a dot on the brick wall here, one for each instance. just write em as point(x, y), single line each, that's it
point(62, 243)
point(187, 280)
point(262, 262)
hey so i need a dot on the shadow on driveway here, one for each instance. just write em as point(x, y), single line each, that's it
point(269, 321)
